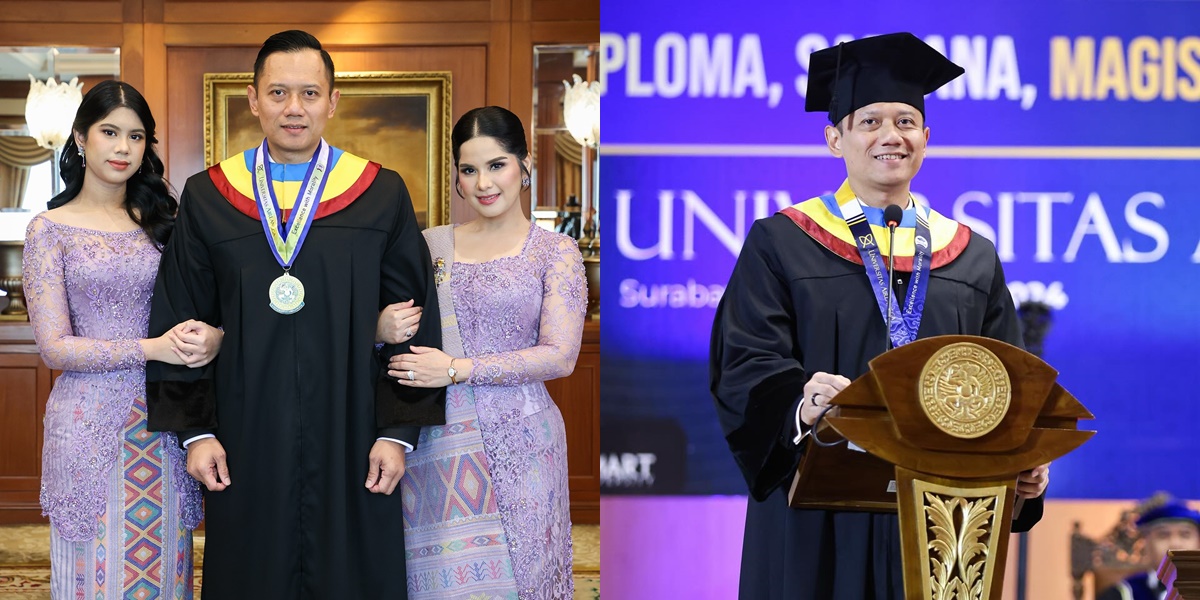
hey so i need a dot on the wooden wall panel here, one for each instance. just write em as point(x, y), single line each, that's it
point(501, 10)
point(133, 12)
point(24, 388)
point(133, 60)
point(184, 133)
point(331, 35)
point(578, 398)
point(328, 12)
point(107, 35)
point(152, 11)
point(557, 10)
point(18, 406)
point(521, 74)
point(83, 11)
point(572, 32)
point(155, 82)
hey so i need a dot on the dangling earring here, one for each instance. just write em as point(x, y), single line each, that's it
point(82, 158)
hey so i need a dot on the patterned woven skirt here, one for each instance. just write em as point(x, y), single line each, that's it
point(488, 523)
point(453, 537)
point(141, 549)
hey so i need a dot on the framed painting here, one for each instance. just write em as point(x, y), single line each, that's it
point(398, 119)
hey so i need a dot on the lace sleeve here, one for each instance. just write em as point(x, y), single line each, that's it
point(560, 327)
point(49, 313)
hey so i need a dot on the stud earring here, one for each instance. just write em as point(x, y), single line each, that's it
point(525, 182)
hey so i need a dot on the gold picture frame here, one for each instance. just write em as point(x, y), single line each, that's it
point(398, 119)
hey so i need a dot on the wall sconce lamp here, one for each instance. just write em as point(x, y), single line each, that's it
point(581, 113)
point(49, 112)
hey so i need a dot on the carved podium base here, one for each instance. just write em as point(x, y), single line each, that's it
point(960, 417)
point(951, 532)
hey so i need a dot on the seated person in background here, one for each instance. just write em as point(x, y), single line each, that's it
point(1172, 526)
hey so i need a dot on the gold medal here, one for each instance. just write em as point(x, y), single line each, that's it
point(287, 294)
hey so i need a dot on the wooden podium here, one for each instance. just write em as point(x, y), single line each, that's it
point(947, 423)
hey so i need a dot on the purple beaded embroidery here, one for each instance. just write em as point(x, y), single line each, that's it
point(89, 304)
point(521, 321)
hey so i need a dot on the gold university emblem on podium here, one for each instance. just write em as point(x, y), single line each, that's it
point(965, 390)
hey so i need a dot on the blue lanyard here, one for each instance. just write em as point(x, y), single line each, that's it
point(906, 315)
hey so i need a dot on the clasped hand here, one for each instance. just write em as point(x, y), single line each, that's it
point(428, 367)
point(398, 323)
point(193, 343)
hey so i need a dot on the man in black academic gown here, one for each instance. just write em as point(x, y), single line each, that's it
point(802, 316)
point(294, 247)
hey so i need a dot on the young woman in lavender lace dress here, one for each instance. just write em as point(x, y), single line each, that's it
point(486, 512)
point(120, 501)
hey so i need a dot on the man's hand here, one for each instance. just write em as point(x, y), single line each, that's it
point(1032, 483)
point(820, 389)
point(206, 462)
point(398, 323)
point(386, 467)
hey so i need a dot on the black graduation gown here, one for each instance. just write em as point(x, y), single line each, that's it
point(793, 307)
point(297, 400)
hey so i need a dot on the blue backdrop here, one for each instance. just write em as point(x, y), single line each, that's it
point(1072, 142)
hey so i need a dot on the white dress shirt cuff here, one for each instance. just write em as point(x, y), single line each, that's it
point(407, 446)
point(198, 437)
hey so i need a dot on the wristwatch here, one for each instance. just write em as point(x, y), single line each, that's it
point(452, 372)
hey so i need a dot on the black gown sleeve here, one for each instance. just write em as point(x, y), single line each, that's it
point(179, 398)
point(1000, 322)
point(755, 372)
point(407, 273)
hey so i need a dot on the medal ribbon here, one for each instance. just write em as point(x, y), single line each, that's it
point(906, 316)
point(286, 243)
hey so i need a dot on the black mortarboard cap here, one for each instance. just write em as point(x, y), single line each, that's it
point(897, 67)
